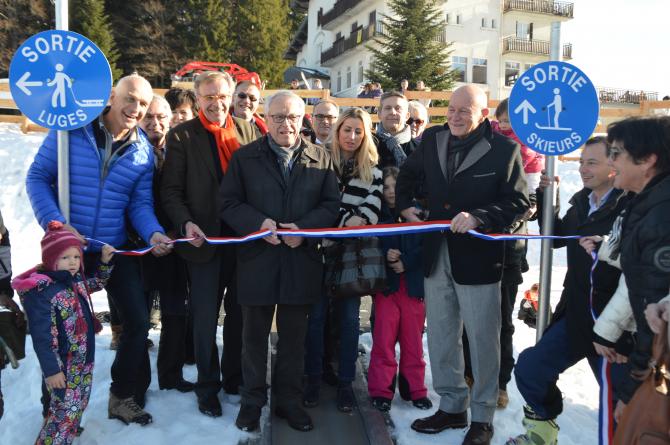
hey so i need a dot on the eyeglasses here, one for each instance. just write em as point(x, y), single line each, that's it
point(217, 97)
point(247, 96)
point(280, 118)
point(411, 120)
point(323, 117)
point(614, 152)
point(159, 117)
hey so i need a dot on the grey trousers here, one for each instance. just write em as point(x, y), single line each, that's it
point(450, 306)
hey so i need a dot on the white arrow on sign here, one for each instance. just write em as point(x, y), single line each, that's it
point(525, 106)
point(23, 83)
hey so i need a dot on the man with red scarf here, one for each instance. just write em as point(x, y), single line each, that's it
point(198, 153)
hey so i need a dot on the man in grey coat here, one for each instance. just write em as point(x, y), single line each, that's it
point(278, 181)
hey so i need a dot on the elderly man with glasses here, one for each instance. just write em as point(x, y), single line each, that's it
point(279, 181)
point(200, 151)
point(246, 99)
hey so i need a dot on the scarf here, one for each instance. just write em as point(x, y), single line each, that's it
point(225, 137)
point(260, 123)
point(285, 156)
point(459, 148)
point(394, 142)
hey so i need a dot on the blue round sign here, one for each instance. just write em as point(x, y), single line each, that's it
point(60, 79)
point(553, 108)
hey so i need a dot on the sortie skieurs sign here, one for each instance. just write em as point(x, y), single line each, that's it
point(60, 79)
point(553, 108)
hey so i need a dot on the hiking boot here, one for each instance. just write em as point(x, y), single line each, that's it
point(345, 398)
point(440, 421)
point(423, 403)
point(210, 406)
point(117, 329)
point(310, 395)
point(503, 399)
point(127, 411)
point(248, 419)
point(538, 432)
point(297, 418)
point(479, 434)
point(180, 385)
point(382, 404)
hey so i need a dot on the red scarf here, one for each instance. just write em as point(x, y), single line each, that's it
point(225, 137)
point(260, 123)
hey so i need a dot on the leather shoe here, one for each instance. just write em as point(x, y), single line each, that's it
point(248, 419)
point(181, 386)
point(440, 421)
point(210, 406)
point(297, 418)
point(479, 434)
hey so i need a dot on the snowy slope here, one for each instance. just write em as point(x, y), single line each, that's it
point(176, 418)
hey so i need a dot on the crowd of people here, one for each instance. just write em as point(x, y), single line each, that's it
point(205, 163)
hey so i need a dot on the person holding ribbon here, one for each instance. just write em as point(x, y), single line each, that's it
point(355, 158)
point(199, 153)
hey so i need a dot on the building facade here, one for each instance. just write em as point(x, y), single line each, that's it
point(493, 41)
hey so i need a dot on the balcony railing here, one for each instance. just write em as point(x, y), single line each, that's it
point(537, 47)
point(621, 96)
point(356, 38)
point(561, 9)
point(323, 18)
point(362, 35)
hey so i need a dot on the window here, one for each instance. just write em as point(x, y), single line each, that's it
point(524, 31)
point(458, 19)
point(478, 70)
point(446, 18)
point(459, 64)
point(527, 66)
point(360, 71)
point(493, 23)
point(483, 22)
point(348, 77)
point(512, 71)
point(339, 81)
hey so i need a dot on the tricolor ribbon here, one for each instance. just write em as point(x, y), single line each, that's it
point(350, 232)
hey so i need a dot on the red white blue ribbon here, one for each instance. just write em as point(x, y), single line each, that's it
point(351, 232)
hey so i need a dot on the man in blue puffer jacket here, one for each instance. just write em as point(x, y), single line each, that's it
point(111, 172)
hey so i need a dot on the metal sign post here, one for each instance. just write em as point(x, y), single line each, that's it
point(63, 136)
point(553, 110)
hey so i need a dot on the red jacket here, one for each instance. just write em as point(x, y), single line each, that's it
point(533, 162)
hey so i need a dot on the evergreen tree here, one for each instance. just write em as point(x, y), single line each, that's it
point(89, 19)
point(410, 49)
point(205, 28)
point(262, 31)
point(20, 19)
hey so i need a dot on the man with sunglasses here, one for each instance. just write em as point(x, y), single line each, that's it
point(199, 152)
point(245, 104)
point(325, 114)
point(418, 119)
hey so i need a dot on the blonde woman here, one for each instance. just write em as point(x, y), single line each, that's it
point(355, 159)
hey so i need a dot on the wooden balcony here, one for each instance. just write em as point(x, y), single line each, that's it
point(535, 47)
point(356, 38)
point(341, 11)
point(558, 9)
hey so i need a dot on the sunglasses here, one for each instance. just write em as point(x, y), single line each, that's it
point(247, 96)
point(411, 120)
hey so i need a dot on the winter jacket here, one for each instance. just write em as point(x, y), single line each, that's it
point(386, 158)
point(55, 302)
point(409, 246)
point(574, 302)
point(360, 198)
point(645, 259)
point(100, 195)
point(533, 162)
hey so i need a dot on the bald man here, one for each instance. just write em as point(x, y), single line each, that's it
point(474, 178)
point(111, 172)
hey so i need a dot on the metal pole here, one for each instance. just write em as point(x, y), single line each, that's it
point(546, 255)
point(63, 136)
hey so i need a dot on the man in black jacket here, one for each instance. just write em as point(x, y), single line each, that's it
point(475, 178)
point(393, 133)
point(568, 338)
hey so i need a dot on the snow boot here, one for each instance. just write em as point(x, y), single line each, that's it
point(127, 410)
point(538, 432)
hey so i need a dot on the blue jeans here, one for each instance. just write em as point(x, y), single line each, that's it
point(349, 324)
point(538, 368)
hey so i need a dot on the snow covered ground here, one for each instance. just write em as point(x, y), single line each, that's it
point(176, 417)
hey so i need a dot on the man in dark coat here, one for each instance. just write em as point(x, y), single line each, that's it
point(569, 337)
point(394, 136)
point(475, 178)
point(199, 152)
point(278, 181)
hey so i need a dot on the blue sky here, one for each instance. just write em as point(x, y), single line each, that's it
point(622, 43)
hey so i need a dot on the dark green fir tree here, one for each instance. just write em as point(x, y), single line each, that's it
point(412, 46)
point(88, 17)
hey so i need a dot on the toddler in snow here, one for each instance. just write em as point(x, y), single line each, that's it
point(400, 314)
point(533, 162)
point(56, 297)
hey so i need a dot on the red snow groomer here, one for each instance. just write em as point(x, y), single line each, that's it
point(191, 70)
